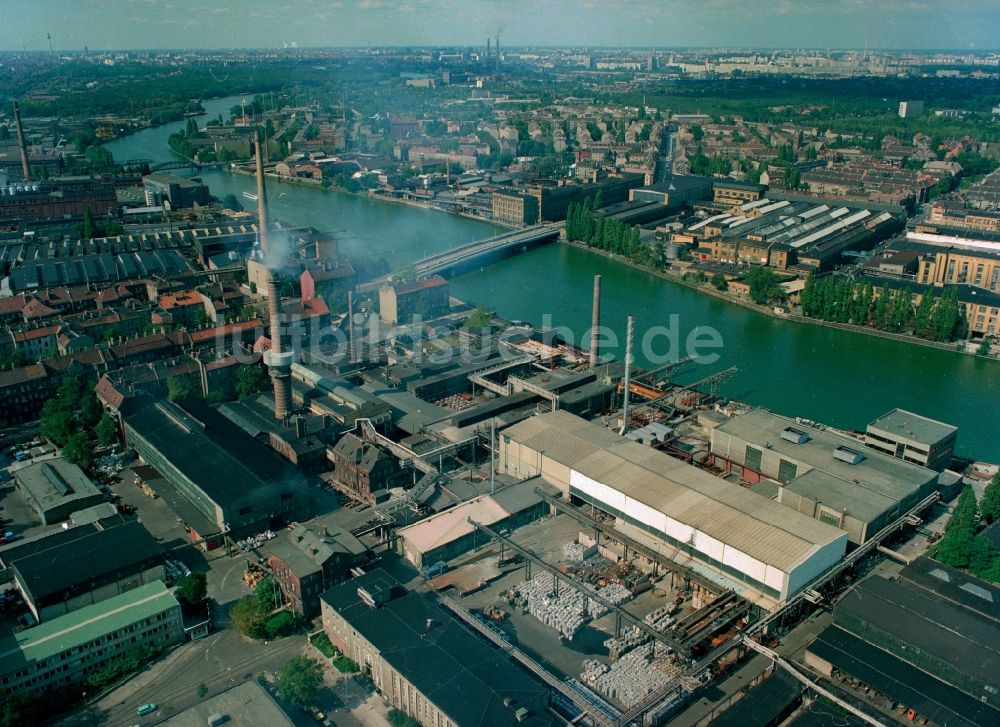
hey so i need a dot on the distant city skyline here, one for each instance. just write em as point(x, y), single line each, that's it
point(968, 25)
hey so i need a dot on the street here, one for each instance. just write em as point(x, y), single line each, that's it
point(220, 660)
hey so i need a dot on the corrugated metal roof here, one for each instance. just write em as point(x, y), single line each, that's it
point(751, 523)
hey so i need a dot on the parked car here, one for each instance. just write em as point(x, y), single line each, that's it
point(145, 709)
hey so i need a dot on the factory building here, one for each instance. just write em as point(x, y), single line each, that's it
point(79, 572)
point(675, 192)
point(174, 192)
point(821, 474)
point(926, 641)
point(449, 534)
point(424, 662)
point(65, 650)
point(728, 191)
point(56, 488)
point(783, 233)
point(739, 539)
point(310, 561)
point(400, 302)
point(911, 437)
point(217, 478)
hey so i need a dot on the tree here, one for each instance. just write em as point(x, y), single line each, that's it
point(479, 318)
point(399, 718)
point(719, 282)
point(182, 387)
point(989, 505)
point(300, 681)
point(250, 379)
point(79, 450)
point(922, 317)
point(793, 178)
point(106, 430)
point(981, 557)
point(57, 422)
point(88, 223)
point(90, 410)
point(764, 286)
point(248, 615)
point(958, 544)
point(985, 347)
point(191, 590)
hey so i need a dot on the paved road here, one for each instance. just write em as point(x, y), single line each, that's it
point(217, 661)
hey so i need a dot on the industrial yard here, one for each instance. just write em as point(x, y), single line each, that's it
point(572, 635)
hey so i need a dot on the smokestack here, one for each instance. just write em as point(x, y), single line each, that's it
point(487, 47)
point(25, 169)
point(278, 362)
point(628, 372)
point(351, 344)
point(595, 324)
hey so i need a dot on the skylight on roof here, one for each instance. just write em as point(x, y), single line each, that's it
point(941, 575)
point(978, 591)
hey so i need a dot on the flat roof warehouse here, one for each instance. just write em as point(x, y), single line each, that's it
point(739, 532)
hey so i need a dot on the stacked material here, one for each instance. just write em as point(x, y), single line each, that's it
point(457, 402)
point(661, 618)
point(109, 465)
point(578, 552)
point(630, 638)
point(632, 678)
point(616, 593)
point(566, 610)
point(255, 541)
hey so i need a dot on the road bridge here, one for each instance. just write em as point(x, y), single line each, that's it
point(508, 242)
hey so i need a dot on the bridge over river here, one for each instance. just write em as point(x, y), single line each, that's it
point(509, 243)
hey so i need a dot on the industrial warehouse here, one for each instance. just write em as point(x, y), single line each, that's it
point(788, 233)
point(739, 536)
point(822, 474)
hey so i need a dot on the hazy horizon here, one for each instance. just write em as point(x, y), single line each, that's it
point(128, 25)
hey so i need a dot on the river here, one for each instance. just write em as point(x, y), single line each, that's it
point(840, 378)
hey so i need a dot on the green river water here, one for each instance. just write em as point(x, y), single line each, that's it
point(840, 378)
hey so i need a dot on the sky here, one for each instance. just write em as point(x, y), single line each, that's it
point(137, 24)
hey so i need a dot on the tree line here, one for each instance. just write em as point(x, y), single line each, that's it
point(961, 546)
point(842, 300)
point(604, 233)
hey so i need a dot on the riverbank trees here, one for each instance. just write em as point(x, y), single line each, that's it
point(843, 300)
point(609, 234)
